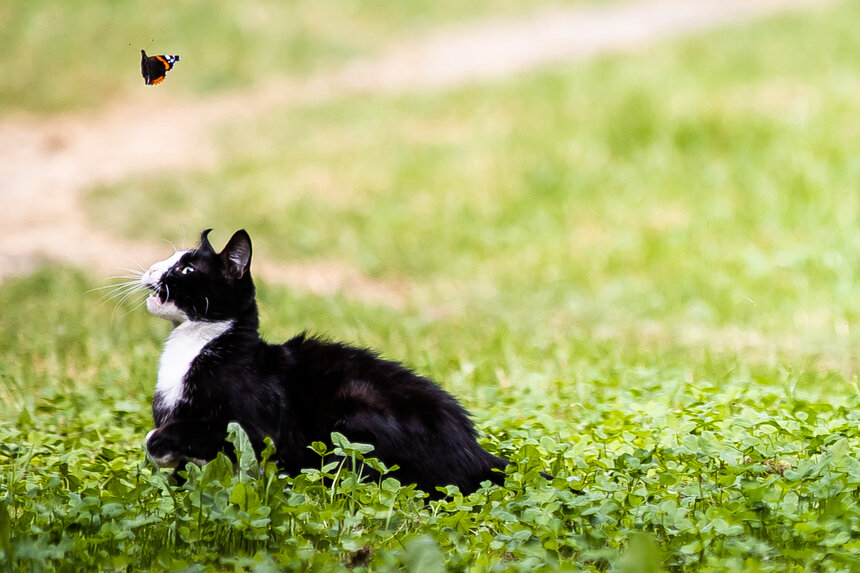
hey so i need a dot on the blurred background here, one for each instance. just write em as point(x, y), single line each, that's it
point(508, 195)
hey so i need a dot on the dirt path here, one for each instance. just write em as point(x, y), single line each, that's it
point(47, 163)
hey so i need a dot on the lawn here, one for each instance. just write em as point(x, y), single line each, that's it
point(638, 273)
point(60, 55)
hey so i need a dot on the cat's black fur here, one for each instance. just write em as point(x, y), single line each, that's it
point(297, 392)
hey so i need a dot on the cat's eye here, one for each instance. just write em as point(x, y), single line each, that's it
point(187, 269)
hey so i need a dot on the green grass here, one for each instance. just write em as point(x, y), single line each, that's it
point(60, 55)
point(696, 461)
point(638, 274)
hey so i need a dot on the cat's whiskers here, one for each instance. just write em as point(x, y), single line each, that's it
point(138, 305)
point(120, 297)
point(130, 310)
point(113, 286)
point(140, 268)
point(119, 290)
point(123, 288)
point(169, 242)
point(134, 272)
point(128, 293)
point(126, 279)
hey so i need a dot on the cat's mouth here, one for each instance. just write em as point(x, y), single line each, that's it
point(159, 294)
point(159, 304)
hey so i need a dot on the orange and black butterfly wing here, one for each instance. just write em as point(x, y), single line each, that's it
point(154, 68)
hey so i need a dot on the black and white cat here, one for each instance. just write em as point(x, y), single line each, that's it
point(216, 369)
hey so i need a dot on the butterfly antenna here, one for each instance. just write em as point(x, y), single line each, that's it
point(147, 46)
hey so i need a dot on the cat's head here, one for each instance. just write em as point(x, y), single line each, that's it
point(202, 285)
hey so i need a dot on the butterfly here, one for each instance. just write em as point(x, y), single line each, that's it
point(154, 68)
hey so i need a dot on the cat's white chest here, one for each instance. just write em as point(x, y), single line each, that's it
point(184, 344)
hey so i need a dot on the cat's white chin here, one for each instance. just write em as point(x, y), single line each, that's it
point(167, 310)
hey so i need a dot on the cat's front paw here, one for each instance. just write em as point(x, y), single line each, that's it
point(160, 446)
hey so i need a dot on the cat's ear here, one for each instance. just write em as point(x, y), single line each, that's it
point(237, 254)
point(205, 245)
